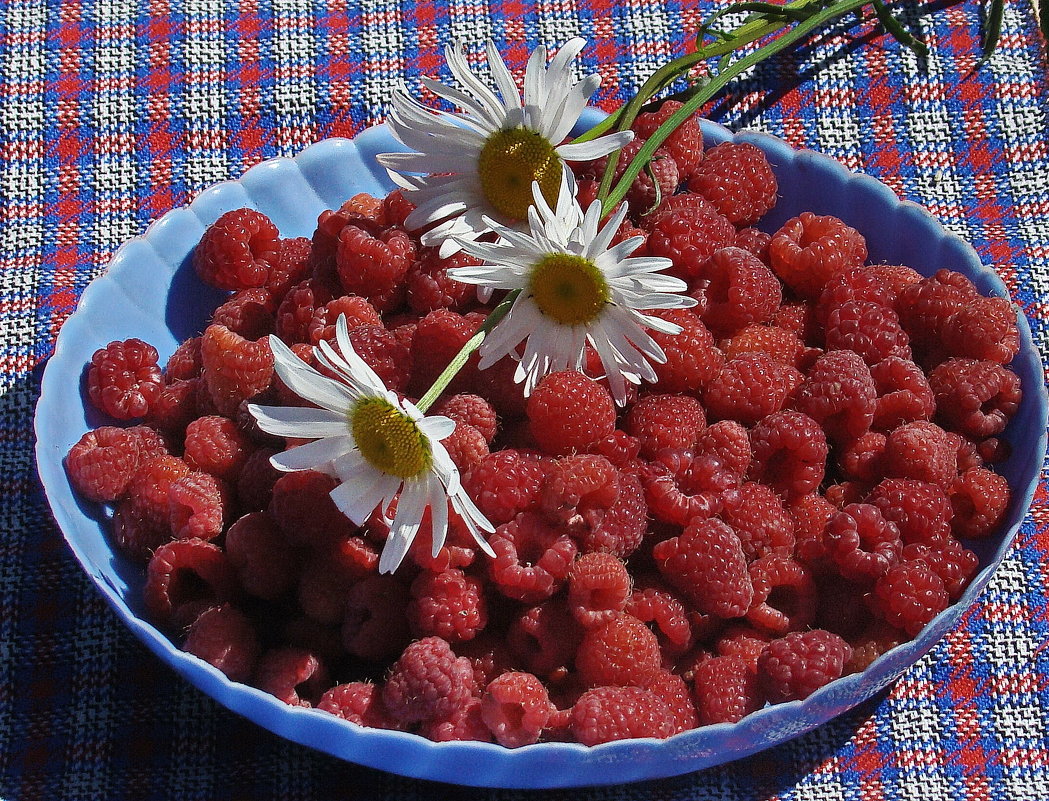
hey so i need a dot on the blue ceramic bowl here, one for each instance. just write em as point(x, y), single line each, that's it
point(150, 291)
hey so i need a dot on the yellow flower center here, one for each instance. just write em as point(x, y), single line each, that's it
point(510, 161)
point(568, 288)
point(388, 439)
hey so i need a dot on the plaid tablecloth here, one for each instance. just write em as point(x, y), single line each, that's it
point(114, 111)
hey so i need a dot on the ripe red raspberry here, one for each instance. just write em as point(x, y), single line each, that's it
point(605, 714)
point(925, 306)
point(863, 283)
point(260, 556)
point(687, 230)
point(740, 290)
point(895, 276)
point(185, 362)
point(790, 453)
point(760, 521)
point(809, 250)
point(784, 595)
point(296, 310)
point(921, 511)
point(532, 558)
point(294, 676)
point(504, 484)
point(924, 451)
point(215, 445)
point(870, 329)
point(598, 588)
point(235, 369)
point(950, 560)
point(811, 513)
point(439, 336)
point(743, 641)
point(778, 343)
point(238, 250)
point(728, 442)
point(839, 394)
point(975, 398)
point(619, 448)
point(516, 708)
point(466, 447)
point(396, 207)
point(685, 144)
point(176, 406)
point(148, 489)
point(329, 572)
point(375, 627)
point(904, 394)
point(750, 387)
point(254, 485)
point(653, 603)
point(427, 682)
point(725, 690)
point(680, 486)
point(102, 462)
point(430, 287)
point(576, 484)
point(909, 596)
point(798, 664)
point(545, 638)
point(673, 691)
point(569, 412)
point(123, 379)
point(385, 354)
point(361, 211)
point(199, 506)
point(249, 313)
point(291, 267)
point(983, 329)
point(617, 529)
point(374, 267)
point(449, 605)
point(980, 500)
point(644, 193)
point(665, 421)
point(876, 639)
point(692, 357)
point(356, 310)
point(301, 505)
point(707, 564)
point(862, 543)
point(472, 410)
point(225, 638)
point(359, 702)
point(738, 179)
point(184, 578)
point(756, 242)
point(464, 724)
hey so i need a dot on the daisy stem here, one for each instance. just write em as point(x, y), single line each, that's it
point(460, 359)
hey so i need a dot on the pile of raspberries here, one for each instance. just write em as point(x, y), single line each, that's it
point(790, 500)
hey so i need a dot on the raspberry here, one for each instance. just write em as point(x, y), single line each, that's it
point(784, 595)
point(490, 655)
point(909, 596)
point(464, 723)
point(760, 521)
point(870, 329)
point(654, 603)
point(504, 484)
point(740, 291)
point(743, 641)
point(358, 702)
point(199, 506)
point(923, 451)
point(291, 267)
point(845, 492)
point(356, 310)
point(545, 638)
point(798, 664)
point(861, 542)
point(665, 421)
point(980, 500)
point(237, 251)
point(725, 690)
point(301, 505)
point(673, 691)
point(123, 379)
point(235, 369)
point(568, 412)
point(328, 574)
point(878, 638)
point(576, 484)
point(215, 445)
point(439, 336)
point(248, 313)
point(102, 462)
point(224, 637)
point(750, 387)
point(185, 362)
point(925, 306)
point(374, 267)
point(619, 448)
point(778, 343)
point(466, 447)
point(598, 588)
point(644, 193)
point(255, 483)
point(790, 453)
point(728, 442)
point(472, 410)
point(687, 230)
point(184, 578)
point(457, 551)
point(427, 682)
point(374, 626)
point(692, 358)
point(984, 329)
point(904, 394)
point(975, 398)
point(738, 179)
point(707, 564)
point(950, 560)
point(532, 558)
point(839, 393)
point(148, 488)
point(620, 652)
point(863, 283)
point(619, 529)
point(811, 513)
point(756, 242)
point(681, 486)
point(385, 354)
point(921, 511)
point(895, 276)
point(808, 250)
point(449, 604)
point(363, 212)
point(685, 144)
point(295, 313)
point(618, 713)
point(292, 675)
point(430, 287)
point(516, 708)
point(260, 556)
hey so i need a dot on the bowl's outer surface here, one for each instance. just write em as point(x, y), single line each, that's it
point(150, 292)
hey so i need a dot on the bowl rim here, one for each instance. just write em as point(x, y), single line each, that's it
point(542, 765)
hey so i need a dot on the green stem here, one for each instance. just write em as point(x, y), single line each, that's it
point(460, 359)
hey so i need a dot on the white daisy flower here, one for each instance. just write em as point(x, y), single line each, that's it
point(377, 445)
point(575, 288)
point(481, 162)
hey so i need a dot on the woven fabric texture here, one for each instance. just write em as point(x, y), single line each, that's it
point(114, 111)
